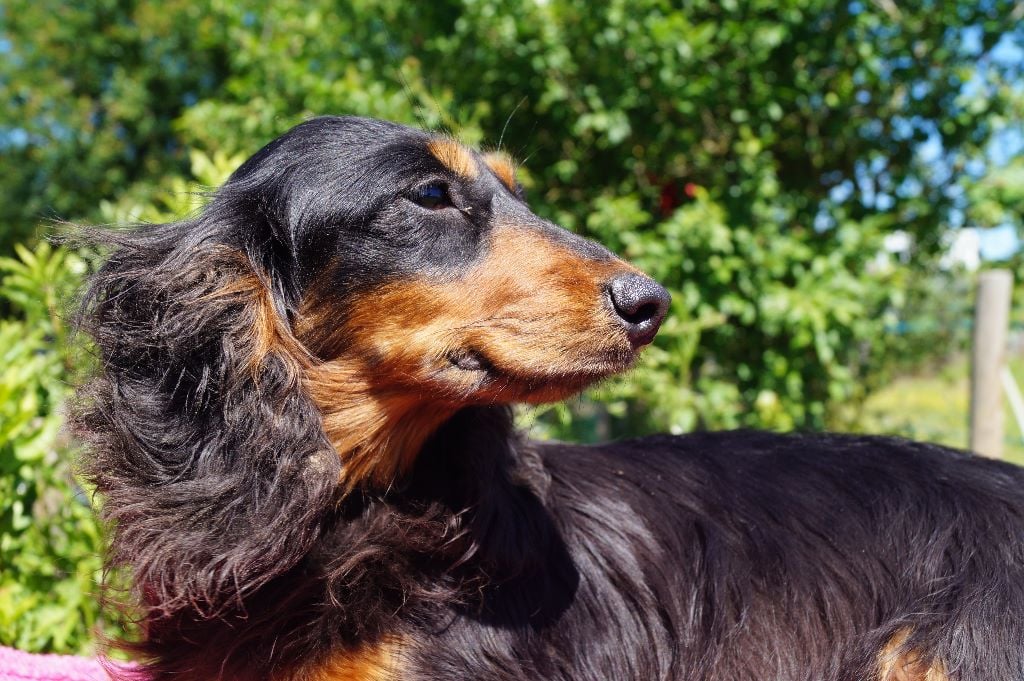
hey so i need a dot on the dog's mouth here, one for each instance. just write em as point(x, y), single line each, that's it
point(492, 381)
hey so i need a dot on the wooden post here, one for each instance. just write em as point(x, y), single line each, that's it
point(988, 357)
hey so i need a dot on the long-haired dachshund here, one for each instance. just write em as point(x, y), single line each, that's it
point(301, 431)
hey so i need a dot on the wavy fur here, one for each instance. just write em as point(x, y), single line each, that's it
point(211, 460)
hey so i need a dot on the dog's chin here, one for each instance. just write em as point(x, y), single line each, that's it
point(490, 381)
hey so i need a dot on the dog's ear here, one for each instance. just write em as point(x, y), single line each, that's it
point(212, 461)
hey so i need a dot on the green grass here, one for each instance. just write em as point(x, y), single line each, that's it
point(934, 408)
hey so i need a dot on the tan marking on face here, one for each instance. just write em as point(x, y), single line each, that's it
point(532, 313)
point(454, 157)
point(502, 165)
point(377, 429)
point(377, 662)
point(896, 662)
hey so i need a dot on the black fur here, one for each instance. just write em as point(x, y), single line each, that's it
point(717, 557)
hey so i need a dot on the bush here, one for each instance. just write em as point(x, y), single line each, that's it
point(50, 542)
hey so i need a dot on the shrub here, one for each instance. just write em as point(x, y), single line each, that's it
point(50, 542)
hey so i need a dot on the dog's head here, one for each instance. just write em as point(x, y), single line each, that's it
point(422, 282)
point(418, 260)
point(352, 286)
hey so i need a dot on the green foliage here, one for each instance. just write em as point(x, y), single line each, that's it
point(788, 322)
point(998, 197)
point(50, 542)
point(752, 156)
point(996, 193)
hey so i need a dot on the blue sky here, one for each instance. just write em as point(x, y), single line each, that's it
point(1000, 242)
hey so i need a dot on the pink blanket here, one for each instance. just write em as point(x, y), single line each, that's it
point(18, 666)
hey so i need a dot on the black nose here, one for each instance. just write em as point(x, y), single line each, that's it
point(641, 304)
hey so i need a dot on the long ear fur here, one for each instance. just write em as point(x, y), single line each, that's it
point(212, 461)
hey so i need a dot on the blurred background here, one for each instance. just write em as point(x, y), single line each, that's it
point(818, 183)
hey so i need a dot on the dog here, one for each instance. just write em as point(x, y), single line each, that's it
point(301, 433)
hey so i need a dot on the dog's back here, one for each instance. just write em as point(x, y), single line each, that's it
point(796, 557)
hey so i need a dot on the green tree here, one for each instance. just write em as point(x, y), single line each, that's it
point(752, 154)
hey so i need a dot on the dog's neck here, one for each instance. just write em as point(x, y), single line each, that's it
point(377, 430)
point(475, 490)
point(492, 484)
point(414, 455)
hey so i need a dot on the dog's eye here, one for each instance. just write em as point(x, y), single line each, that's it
point(433, 196)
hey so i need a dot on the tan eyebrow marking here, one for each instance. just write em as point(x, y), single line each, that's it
point(503, 166)
point(454, 157)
